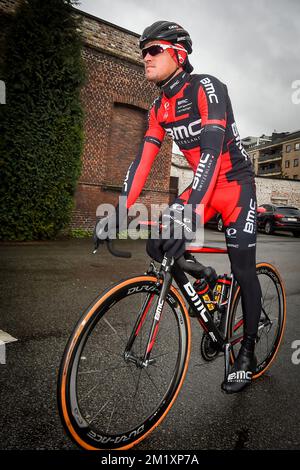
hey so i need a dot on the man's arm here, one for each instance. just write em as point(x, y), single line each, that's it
point(212, 97)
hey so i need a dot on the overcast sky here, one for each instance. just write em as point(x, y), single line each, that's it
point(253, 46)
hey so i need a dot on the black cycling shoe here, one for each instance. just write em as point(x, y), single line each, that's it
point(243, 368)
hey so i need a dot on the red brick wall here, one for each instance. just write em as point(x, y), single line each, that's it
point(125, 133)
point(116, 99)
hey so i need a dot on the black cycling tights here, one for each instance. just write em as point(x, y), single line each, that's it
point(243, 267)
point(237, 205)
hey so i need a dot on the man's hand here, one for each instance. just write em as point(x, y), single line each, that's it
point(175, 231)
point(174, 234)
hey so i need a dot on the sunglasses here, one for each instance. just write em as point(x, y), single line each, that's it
point(156, 49)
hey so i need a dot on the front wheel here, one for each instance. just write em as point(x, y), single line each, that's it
point(108, 398)
point(272, 320)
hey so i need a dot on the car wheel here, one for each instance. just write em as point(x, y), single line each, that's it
point(268, 228)
point(220, 225)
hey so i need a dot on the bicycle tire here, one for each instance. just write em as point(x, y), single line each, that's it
point(78, 426)
point(266, 359)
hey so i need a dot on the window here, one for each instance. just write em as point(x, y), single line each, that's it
point(287, 164)
point(288, 148)
point(297, 146)
point(296, 161)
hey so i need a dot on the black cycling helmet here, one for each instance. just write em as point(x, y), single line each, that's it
point(167, 31)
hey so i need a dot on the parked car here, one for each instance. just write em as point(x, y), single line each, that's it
point(216, 222)
point(271, 217)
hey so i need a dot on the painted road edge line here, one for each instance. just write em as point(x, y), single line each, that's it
point(6, 337)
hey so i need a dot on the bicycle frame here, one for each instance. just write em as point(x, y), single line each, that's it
point(126, 407)
point(170, 270)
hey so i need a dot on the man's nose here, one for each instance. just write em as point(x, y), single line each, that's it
point(147, 58)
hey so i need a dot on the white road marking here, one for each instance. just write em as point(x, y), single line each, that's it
point(6, 337)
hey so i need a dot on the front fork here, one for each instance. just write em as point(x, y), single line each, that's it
point(145, 361)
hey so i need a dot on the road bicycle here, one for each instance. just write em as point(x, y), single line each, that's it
point(126, 360)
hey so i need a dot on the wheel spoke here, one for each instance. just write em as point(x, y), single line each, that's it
point(115, 331)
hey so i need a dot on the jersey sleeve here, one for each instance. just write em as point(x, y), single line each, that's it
point(140, 168)
point(212, 99)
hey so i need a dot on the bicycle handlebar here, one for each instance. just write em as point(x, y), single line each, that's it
point(114, 251)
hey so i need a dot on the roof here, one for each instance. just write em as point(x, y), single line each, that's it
point(275, 141)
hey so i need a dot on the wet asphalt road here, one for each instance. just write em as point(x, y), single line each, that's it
point(45, 286)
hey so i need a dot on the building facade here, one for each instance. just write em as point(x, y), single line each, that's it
point(291, 158)
point(278, 158)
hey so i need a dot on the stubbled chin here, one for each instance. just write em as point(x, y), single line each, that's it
point(151, 77)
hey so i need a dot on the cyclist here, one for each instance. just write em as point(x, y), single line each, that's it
point(196, 111)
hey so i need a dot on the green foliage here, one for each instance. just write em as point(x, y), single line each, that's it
point(41, 126)
point(81, 233)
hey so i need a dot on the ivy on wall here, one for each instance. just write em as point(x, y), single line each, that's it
point(41, 124)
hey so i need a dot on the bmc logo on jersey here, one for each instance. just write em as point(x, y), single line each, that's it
point(183, 132)
point(210, 89)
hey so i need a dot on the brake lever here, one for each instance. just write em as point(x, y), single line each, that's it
point(96, 245)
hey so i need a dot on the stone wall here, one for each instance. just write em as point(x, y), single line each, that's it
point(278, 191)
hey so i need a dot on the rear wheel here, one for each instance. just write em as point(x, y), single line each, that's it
point(272, 320)
point(107, 397)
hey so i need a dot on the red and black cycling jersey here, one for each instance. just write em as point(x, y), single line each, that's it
point(195, 110)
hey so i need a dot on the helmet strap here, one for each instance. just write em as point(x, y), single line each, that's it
point(166, 80)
